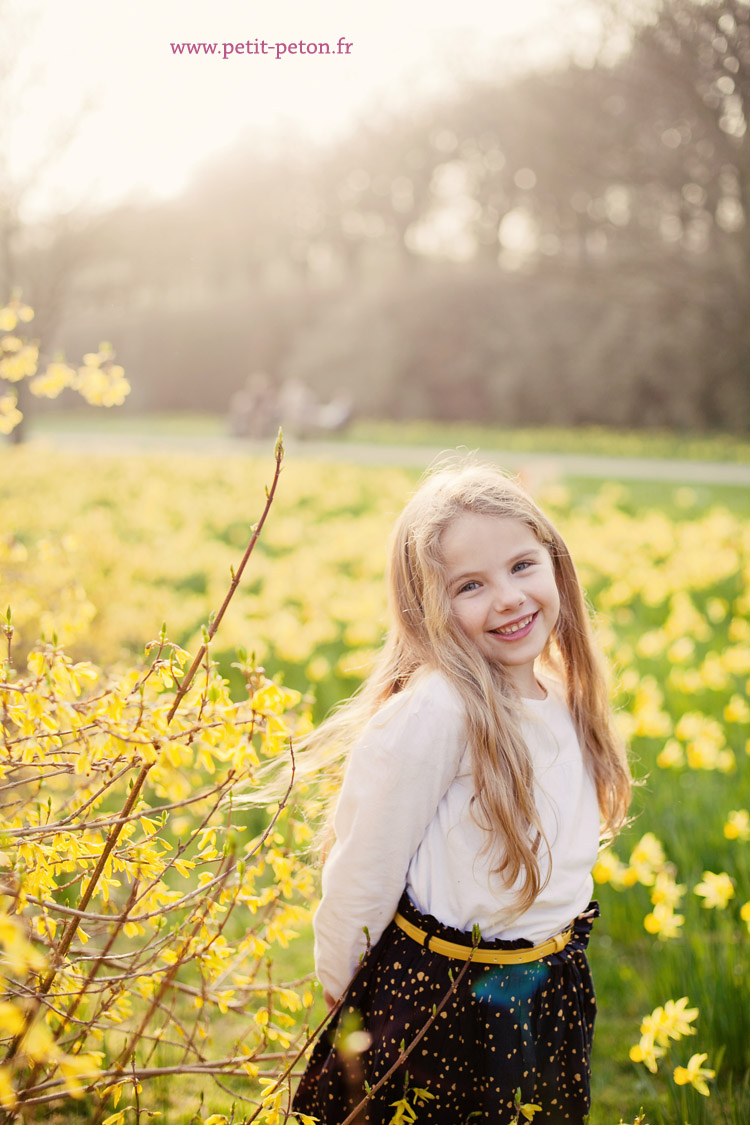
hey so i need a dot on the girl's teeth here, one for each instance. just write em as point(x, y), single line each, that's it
point(515, 628)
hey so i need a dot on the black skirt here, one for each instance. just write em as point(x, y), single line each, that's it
point(505, 1029)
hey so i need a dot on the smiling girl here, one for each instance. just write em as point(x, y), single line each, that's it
point(483, 771)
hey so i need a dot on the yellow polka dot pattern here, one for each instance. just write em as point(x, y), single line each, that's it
point(506, 1027)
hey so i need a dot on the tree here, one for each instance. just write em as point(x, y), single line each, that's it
point(684, 157)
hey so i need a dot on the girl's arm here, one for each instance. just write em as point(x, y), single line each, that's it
point(397, 774)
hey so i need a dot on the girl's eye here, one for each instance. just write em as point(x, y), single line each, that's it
point(468, 587)
point(522, 565)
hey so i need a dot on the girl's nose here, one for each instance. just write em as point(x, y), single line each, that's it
point(507, 596)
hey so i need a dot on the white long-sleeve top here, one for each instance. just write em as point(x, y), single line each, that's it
point(403, 820)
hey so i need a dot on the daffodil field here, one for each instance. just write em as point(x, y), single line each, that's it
point(149, 916)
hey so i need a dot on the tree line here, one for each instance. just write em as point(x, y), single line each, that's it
point(567, 245)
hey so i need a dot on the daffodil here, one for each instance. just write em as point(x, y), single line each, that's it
point(737, 710)
point(715, 890)
point(737, 826)
point(666, 891)
point(609, 869)
point(671, 1020)
point(648, 1052)
point(663, 921)
point(745, 914)
point(672, 756)
point(695, 1074)
point(646, 859)
point(677, 1018)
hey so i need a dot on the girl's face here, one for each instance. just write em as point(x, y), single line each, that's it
point(502, 588)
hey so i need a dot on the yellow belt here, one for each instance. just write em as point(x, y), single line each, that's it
point(485, 956)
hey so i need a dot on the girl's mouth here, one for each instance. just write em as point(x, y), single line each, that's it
point(517, 629)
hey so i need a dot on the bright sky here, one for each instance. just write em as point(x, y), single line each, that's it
point(154, 115)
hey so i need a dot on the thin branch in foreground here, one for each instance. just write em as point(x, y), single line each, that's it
point(236, 576)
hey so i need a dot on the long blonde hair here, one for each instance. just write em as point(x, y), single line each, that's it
point(424, 634)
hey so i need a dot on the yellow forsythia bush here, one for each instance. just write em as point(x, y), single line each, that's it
point(136, 899)
point(99, 380)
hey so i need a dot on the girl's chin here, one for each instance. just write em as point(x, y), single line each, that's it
point(512, 667)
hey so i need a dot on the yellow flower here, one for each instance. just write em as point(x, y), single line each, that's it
point(663, 921)
point(646, 859)
point(678, 1017)
point(665, 890)
point(21, 363)
point(737, 826)
point(670, 1021)
point(273, 699)
point(55, 379)
point(12, 1019)
point(647, 1052)
point(74, 1068)
point(7, 1093)
point(38, 1043)
point(717, 609)
point(102, 386)
point(703, 753)
point(609, 869)
point(681, 650)
point(705, 741)
point(695, 1074)
point(716, 890)
point(404, 1114)
point(745, 913)
point(737, 710)
point(672, 756)
point(271, 1099)
point(10, 416)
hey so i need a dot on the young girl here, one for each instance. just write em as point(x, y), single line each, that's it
point(484, 768)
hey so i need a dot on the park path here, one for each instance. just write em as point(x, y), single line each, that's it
point(535, 465)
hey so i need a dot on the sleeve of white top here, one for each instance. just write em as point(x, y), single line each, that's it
point(397, 774)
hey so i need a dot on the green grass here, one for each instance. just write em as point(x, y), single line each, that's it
point(595, 440)
point(675, 501)
point(552, 439)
